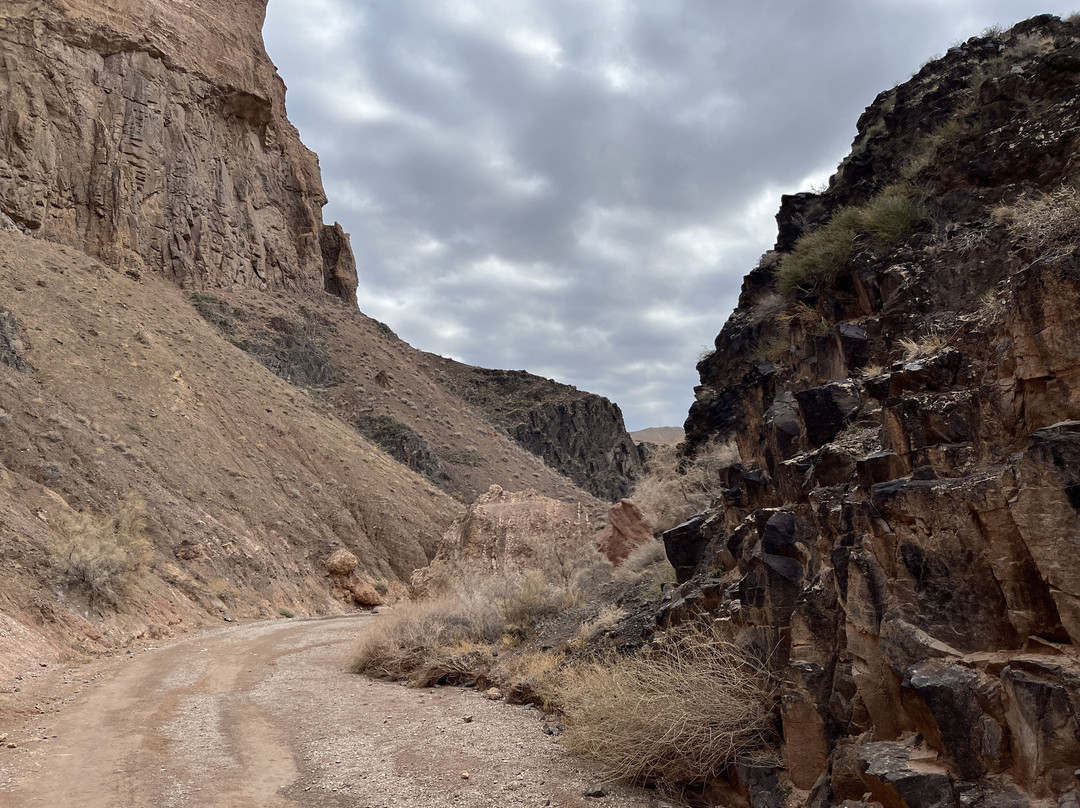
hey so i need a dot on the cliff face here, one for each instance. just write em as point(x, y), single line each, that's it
point(578, 433)
point(144, 147)
point(904, 526)
point(152, 135)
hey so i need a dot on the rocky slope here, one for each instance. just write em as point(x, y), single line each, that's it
point(580, 434)
point(902, 376)
point(114, 388)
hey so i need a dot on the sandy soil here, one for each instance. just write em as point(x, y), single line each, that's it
point(264, 715)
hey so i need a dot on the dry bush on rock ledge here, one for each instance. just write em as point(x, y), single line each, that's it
point(673, 489)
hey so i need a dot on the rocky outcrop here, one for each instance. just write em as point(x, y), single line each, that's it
point(509, 532)
point(902, 529)
point(153, 136)
point(580, 434)
point(627, 529)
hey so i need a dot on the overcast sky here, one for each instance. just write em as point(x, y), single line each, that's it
point(576, 187)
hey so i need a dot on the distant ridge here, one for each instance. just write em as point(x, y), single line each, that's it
point(660, 435)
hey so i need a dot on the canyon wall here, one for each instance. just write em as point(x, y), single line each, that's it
point(152, 135)
point(579, 433)
point(902, 533)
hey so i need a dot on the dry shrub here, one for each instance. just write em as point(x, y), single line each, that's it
point(643, 558)
point(1049, 222)
point(535, 675)
point(674, 489)
point(680, 714)
point(426, 641)
point(102, 552)
point(531, 601)
point(452, 636)
point(590, 630)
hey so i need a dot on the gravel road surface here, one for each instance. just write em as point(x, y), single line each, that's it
point(265, 716)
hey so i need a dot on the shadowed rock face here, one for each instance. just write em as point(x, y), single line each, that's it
point(153, 136)
point(580, 434)
point(904, 525)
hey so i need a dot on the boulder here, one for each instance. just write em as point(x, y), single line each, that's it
point(341, 563)
point(626, 531)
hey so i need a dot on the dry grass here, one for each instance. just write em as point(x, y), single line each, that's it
point(454, 636)
point(591, 630)
point(929, 344)
point(677, 715)
point(773, 348)
point(821, 257)
point(1044, 223)
point(101, 552)
point(674, 489)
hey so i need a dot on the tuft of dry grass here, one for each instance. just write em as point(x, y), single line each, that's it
point(674, 489)
point(679, 714)
point(1046, 222)
point(605, 621)
point(103, 552)
point(929, 344)
point(821, 257)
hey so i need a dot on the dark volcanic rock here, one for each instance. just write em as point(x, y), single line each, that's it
point(579, 434)
point(905, 531)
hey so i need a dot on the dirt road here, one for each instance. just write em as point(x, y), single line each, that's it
point(265, 716)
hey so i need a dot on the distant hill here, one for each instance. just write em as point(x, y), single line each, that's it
point(660, 435)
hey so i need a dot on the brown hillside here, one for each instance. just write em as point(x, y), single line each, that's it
point(387, 390)
point(251, 483)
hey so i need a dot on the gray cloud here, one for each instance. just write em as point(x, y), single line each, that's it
point(576, 188)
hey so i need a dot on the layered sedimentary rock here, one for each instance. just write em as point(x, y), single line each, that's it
point(903, 531)
point(152, 135)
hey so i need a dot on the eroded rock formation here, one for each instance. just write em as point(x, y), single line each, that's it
point(579, 433)
point(509, 532)
point(903, 530)
point(152, 135)
point(627, 529)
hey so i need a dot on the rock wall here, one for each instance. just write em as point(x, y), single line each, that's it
point(152, 135)
point(580, 434)
point(903, 530)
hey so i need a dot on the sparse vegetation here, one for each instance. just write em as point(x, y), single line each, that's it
point(461, 457)
point(675, 488)
point(824, 255)
point(102, 552)
point(676, 714)
point(457, 635)
point(929, 344)
point(1045, 223)
point(772, 347)
point(871, 370)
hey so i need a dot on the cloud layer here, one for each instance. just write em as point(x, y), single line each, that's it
point(576, 188)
